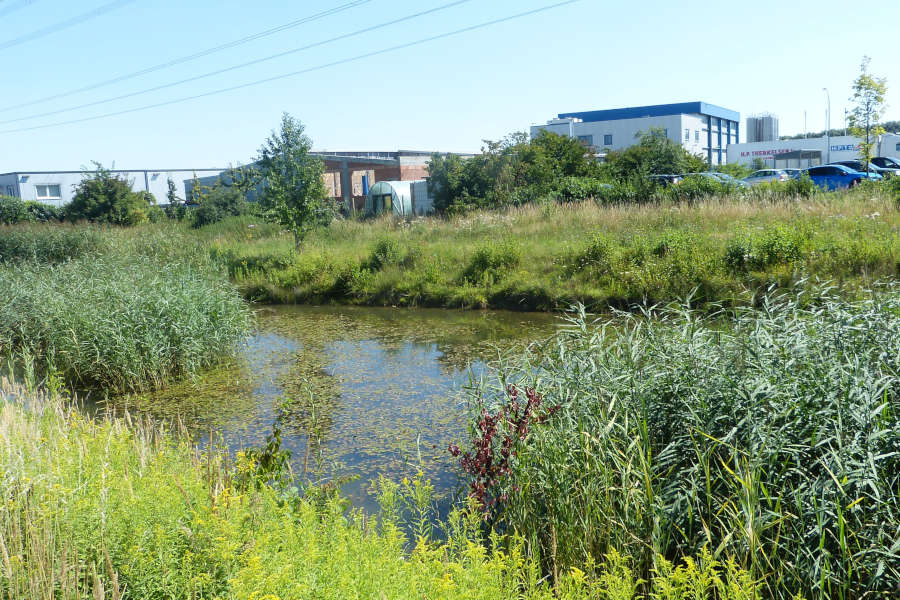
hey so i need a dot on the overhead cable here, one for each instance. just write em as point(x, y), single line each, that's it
point(190, 57)
point(99, 11)
point(237, 66)
point(302, 71)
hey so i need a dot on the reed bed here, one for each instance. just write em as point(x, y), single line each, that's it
point(769, 437)
point(118, 322)
point(117, 508)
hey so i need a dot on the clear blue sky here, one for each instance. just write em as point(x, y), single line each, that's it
point(447, 94)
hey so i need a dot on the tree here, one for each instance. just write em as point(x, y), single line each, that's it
point(104, 197)
point(654, 154)
point(868, 104)
point(293, 192)
point(171, 194)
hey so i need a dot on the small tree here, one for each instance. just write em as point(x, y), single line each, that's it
point(653, 154)
point(868, 104)
point(104, 197)
point(293, 192)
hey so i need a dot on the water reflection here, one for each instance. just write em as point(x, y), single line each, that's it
point(356, 391)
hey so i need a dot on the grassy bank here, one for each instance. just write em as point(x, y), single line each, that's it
point(112, 508)
point(772, 437)
point(111, 309)
point(546, 257)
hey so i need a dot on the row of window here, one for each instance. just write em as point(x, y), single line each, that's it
point(588, 140)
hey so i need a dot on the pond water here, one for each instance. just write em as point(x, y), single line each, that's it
point(356, 392)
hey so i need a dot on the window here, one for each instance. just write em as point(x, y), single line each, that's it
point(587, 140)
point(696, 135)
point(607, 139)
point(897, 148)
point(687, 135)
point(48, 192)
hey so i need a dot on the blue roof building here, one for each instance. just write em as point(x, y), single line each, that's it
point(701, 128)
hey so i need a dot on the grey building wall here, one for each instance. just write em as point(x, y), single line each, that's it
point(27, 185)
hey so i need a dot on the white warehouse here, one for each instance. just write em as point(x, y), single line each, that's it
point(57, 187)
point(701, 128)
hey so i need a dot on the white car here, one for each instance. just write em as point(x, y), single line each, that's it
point(766, 175)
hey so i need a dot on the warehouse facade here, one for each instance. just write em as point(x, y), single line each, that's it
point(58, 187)
point(699, 127)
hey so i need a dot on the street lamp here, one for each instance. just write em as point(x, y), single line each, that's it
point(828, 125)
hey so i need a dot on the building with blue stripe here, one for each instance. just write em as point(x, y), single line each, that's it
point(701, 128)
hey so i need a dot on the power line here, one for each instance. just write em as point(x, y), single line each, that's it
point(11, 8)
point(302, 71)
point(190, 57)
point(238, 66)
point(102, 10)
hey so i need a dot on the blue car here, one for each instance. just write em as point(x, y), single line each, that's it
point(833, 177)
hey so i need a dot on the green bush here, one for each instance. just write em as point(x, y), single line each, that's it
point(103, 197)
point(12, 211)
point(492, 261)
point(219, 204)
point(778, 245)
point(576, 189)
point(771, 437)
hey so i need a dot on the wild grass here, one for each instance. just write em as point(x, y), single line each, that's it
point(49, 243)
point(730, 249)
point(768, 435)
point(135, 312)
point(117, 508)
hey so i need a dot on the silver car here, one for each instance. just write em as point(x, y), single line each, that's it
point(766, 175)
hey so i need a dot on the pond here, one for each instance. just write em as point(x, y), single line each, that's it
point(356, 392)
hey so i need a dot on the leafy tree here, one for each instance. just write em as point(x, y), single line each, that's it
point(868, 104)
point(104, 197)
point(172, 193)
point(654, 154)
point(244, 179)
point(221, 202)
point(736, 170)
point(293, 192)
point(511, 171)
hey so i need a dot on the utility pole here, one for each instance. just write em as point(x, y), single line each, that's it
point(828, 124)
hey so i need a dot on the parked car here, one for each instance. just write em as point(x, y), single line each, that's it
point(766, 175)
point(794, 173)
point(726, 178)
point(832, 177)
point(886, 162)
point(719, 178)
point(665, 179)
point(858, 165)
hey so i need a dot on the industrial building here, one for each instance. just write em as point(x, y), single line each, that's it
point(762, 128)
point(807, 152)
point(348, 175)
point(58, 187)
point(699, 127)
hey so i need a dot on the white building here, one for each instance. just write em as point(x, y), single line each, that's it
point(700, 128)
point(805, 152)
point(57, 187)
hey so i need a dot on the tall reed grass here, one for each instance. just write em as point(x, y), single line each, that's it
point(118, 322)
point(770, 437)
point(49, 243)
point(117, 508)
